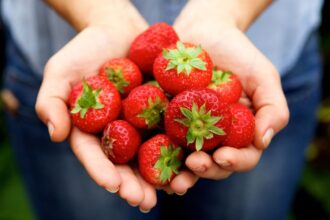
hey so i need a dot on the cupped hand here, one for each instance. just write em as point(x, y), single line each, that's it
point(209, 23)
point(80, 58)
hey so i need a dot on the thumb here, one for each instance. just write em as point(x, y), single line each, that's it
point(272, 112)
point(51, 105)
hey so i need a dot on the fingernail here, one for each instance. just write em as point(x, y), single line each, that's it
point(115, 190)
point(132, 204)
point(169, 192)
point(50, 129)
point(144, 211)
point(181, 194)
point(223, 163)
point(267, 138)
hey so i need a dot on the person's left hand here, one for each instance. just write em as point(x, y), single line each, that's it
point(213, 25)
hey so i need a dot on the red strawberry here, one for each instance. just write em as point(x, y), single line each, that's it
point(198, 119)
point(150, 43)
point(144, 106)
point(183, 66)
point(120, 141)
point(159, 160)
point(241, 133)
point(227, 86)
point(123, 73)
point(94, 103)
point(155, 83)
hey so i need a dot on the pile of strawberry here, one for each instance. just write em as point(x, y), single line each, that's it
point(178, 101)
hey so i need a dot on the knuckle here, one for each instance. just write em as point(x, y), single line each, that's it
point(149, 201)
point(55, 67)
point(283, 116)
point(39, 107)
point(207, 164)
point(233, 162)
point(276, 76)
point(226, 174)
point(104, 183)
point(50, 65)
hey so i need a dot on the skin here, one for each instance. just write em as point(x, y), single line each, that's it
point(231, 50)
point(99, 27)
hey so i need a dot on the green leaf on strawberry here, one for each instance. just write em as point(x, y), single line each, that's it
point(201, 124)
point(168, 162)
point(184, 59)
point(117, 78)
point(88, 99)
point(220, 77)
point(152, 114)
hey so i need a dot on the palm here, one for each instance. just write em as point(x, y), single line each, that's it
point(77, 60)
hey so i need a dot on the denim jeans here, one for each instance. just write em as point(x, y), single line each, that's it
point(59, 187)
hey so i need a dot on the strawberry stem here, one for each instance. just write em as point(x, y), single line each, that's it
point(88, 99)
point(153, 113)
point(117, 78)
point(184, 59)
point(220, 77)
point(168, 162)
point(201, 125)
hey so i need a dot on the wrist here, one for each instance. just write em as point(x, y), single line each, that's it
point(84, 13)
point(245, 12)
point(107, 15)
point(238, 13)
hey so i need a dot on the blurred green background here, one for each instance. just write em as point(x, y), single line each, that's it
point(312, 199)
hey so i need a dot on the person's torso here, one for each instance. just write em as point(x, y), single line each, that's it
point(280, 32)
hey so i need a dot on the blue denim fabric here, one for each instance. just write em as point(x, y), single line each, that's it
point(32, 21)
point(59, 187)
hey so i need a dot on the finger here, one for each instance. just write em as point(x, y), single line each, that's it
point(87, 149)
point(233, 159)
point(150, 196)
point(268, 99)
point(182, 182)
point(52, 109)
point(260, 80)
point(270, 118)
point(247, 102)
point(203, 165)
point(130, 188)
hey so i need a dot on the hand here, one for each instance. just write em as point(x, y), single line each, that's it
point(230, 49)
point(82, 57)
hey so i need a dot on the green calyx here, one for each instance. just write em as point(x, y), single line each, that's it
point(219, 77)
point(168, 162)
point(201, 124)
point(152, 114)
point(88, 99)
point(117, 78)
point(184, 59)
point(154, 83)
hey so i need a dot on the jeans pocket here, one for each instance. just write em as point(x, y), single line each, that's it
point(24, 87)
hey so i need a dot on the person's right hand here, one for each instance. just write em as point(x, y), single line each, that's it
point(80, 58)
